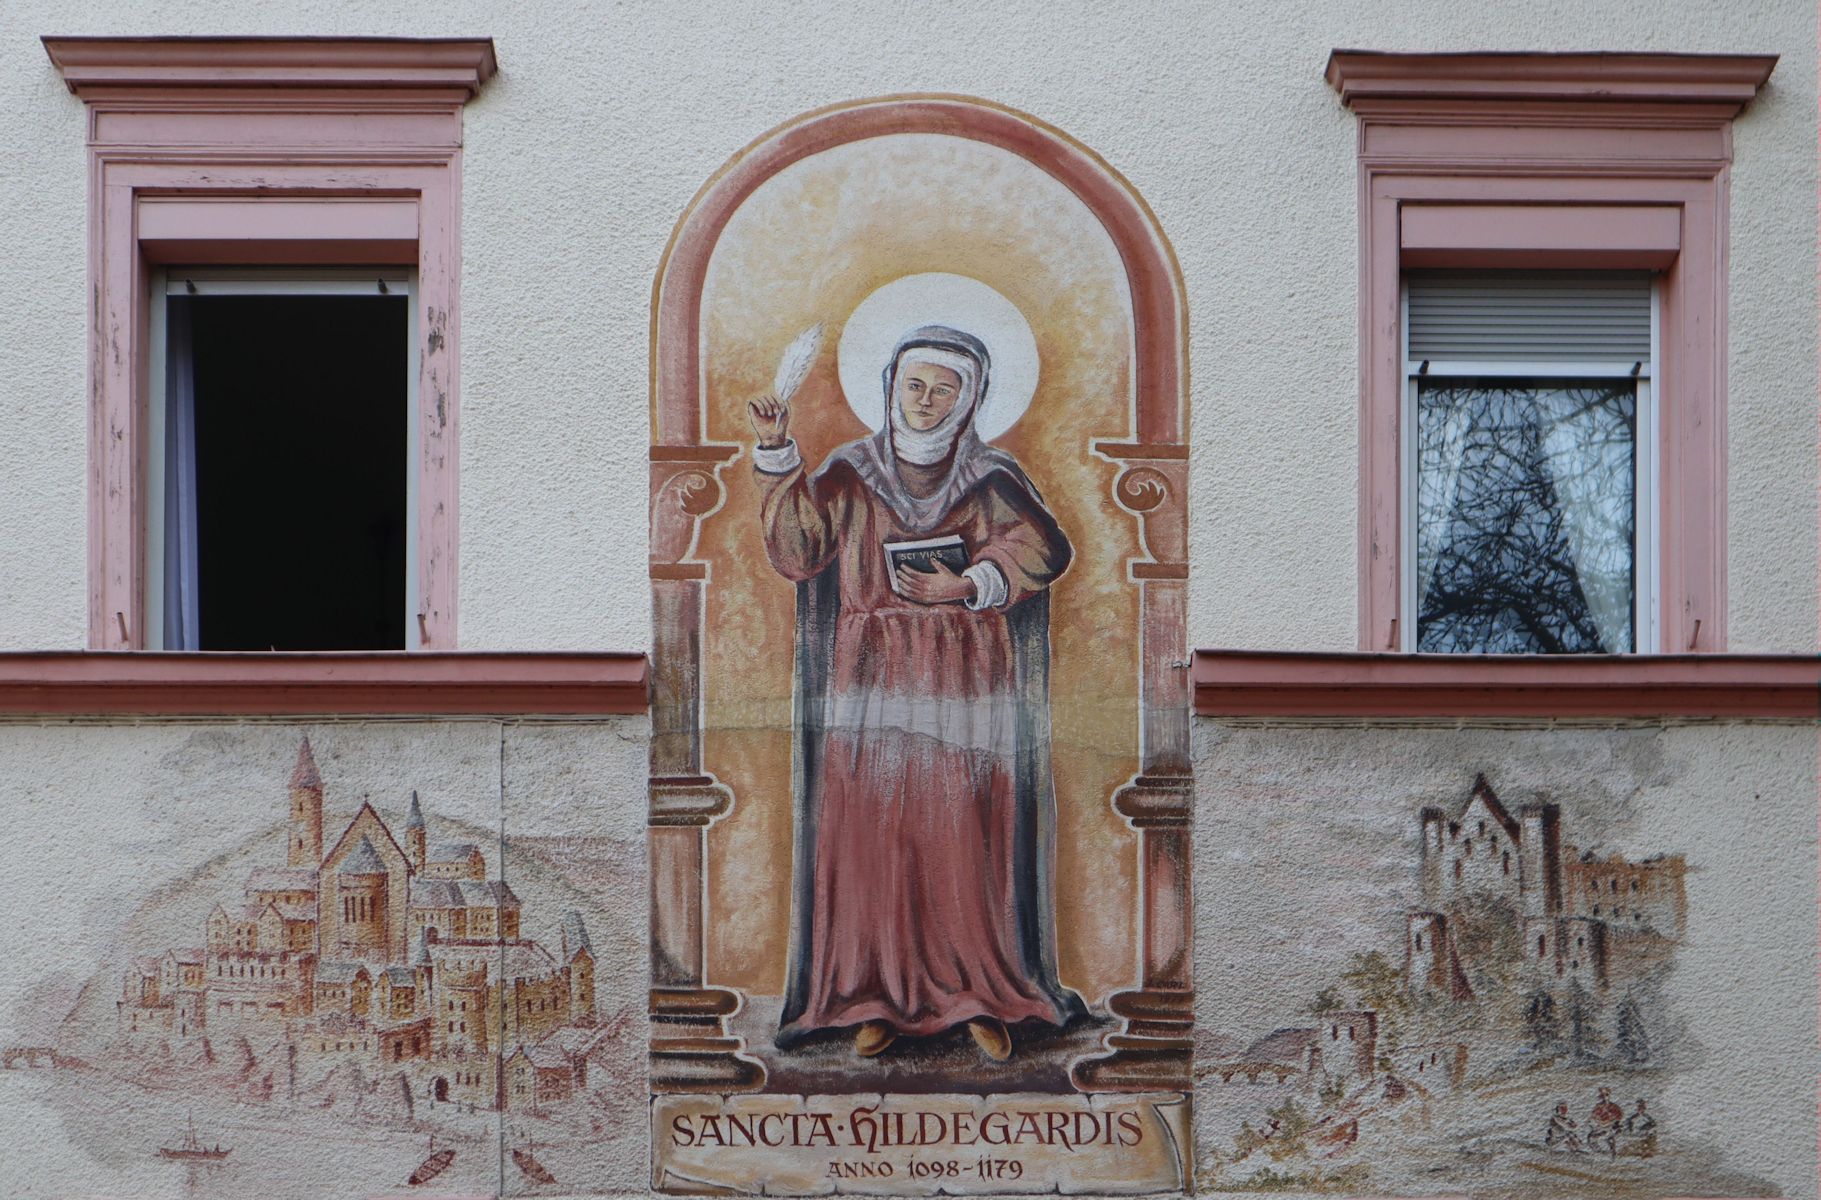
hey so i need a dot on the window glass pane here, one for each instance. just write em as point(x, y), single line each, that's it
point(1526, 516)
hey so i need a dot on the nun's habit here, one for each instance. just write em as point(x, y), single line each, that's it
point(924, 807)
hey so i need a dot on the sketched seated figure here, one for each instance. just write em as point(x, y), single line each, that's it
point(922, 896)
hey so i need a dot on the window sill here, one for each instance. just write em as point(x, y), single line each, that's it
point(110, 683)
point(1249, 683)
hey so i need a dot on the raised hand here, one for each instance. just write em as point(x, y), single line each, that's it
point(770, 420)
point(940, 586)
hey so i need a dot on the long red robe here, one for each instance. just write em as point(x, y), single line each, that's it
point(914, 913)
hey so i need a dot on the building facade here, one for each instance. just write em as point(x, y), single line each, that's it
point(1428, 401)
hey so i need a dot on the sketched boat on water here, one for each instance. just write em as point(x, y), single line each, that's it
point(533, 1169)
point(1338, 1139)
point(190, 1149)
point(526, 1161)
point(431, 1167)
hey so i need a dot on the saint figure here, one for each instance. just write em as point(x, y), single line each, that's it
point(922, 760)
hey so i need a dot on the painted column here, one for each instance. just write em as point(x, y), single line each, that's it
point(1154, 1050)
point(690, 1048)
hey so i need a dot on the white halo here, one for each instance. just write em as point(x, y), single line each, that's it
point(938, 298)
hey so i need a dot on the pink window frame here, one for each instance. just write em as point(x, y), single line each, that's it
point(1512, 144)
point(278, 151)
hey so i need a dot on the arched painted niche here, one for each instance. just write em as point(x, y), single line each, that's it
point(795, 231)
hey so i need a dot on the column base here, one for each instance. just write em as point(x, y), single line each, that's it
point(1154, 1052)
point(690, 1049)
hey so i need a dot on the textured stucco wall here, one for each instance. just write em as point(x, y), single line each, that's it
point(1306, 850)
point(606, 119)
point(121, 838)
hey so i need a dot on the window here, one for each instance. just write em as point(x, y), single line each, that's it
point(1527, 511)
point(278, 482)
point(328, 152)
point(1608, 174)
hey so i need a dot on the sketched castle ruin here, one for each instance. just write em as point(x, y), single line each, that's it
point(1583, 919)
point(1575, 919)
point(377, 958)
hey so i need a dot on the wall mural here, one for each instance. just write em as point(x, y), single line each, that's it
point(1473, 987)
point(304, 989)
point(1524, 961)
point(919, 771)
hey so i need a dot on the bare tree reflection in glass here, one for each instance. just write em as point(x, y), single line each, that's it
point(1526, 517)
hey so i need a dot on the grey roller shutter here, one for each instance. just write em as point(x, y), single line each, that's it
point(1505, 316)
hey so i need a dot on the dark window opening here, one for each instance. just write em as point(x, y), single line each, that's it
point(300, 469)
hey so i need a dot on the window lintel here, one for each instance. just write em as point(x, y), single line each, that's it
point(1728, 82)
point(95, 66)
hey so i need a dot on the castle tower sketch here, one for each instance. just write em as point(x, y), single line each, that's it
point(369, 990)
point(1514, 1017)
point(377, 958)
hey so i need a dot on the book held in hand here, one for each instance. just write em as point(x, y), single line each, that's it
point(923, 554)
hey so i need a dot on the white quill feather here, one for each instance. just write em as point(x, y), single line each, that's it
point(794, 367)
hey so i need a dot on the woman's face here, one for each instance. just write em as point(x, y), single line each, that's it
point(925, 393)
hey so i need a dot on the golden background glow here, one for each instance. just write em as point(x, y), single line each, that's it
point(808, 246)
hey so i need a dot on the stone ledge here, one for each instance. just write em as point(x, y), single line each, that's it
point(1250, 683)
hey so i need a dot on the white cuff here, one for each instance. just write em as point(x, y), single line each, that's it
point(780, 461)
point(989, 585)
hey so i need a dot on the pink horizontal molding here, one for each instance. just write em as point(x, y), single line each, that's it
point(1580, 236)
point(90, 63)
point(1260, 683)
point(279, 231)
point(102, 683)
point(233, 218)
point(1722, 79)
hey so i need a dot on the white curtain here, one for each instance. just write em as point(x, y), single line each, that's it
point(181, 585)
point(1589, 436)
